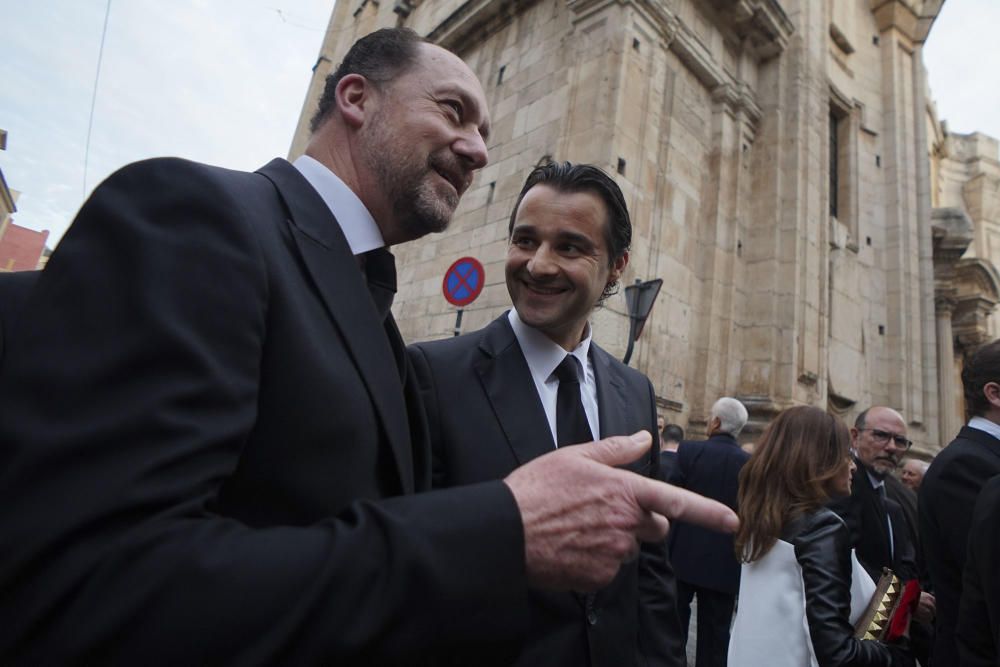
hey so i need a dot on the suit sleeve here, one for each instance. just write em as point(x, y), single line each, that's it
point(660, 638)
point(976, 630)
point(126, 409)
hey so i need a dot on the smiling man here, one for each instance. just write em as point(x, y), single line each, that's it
point(533, 381)
point(213, 450)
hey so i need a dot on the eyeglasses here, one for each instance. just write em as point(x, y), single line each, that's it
point(883, 438)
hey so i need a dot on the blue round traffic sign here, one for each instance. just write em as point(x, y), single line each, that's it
point(463, 281)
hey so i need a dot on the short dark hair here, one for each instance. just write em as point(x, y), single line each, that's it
point(568, 177)
point(673, 433)
point(380, 57)
point(982, 368)
point(861, 420)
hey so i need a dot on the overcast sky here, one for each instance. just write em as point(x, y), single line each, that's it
point(223, 82)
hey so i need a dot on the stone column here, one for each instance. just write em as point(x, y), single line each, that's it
point(944, 306)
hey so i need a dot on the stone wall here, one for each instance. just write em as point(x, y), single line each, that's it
point(716, 117)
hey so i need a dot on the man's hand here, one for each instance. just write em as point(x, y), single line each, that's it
point(926, 608)
point(582, 516)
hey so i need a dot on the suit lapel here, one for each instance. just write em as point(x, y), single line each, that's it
point(340, 284)
point(612, 408)
point(510, 389)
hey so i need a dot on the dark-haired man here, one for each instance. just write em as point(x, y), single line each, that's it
point(212, 446)
point(949, 491)
point(534, 380)
point(671, 436)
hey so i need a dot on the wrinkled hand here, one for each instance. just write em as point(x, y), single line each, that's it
point(583, 517)
point(926, 608)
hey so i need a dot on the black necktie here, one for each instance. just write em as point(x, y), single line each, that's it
point(380, 273)
point(572, 426)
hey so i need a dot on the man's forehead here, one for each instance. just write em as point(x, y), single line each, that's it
point(448, 72)
point(886, 418)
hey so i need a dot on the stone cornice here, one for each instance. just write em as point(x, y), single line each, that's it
point(763, 23)
point(952, 232)
point(913, 18)
point(737, 98)
point(475, 20)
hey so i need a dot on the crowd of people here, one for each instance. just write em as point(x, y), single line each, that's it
point(217, 449)
point(825, 511)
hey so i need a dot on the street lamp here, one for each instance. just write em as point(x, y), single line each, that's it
point(640, 298)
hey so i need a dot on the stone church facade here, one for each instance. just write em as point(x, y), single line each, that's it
point(821, 238)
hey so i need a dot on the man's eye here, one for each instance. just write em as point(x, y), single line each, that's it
point(455, 107)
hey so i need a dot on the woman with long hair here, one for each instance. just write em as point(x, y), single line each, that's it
point(801, 587)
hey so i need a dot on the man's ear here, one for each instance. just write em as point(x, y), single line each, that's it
point(618, 268)
point(992, 392)
point(355, 98)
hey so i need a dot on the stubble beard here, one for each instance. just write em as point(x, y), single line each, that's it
point(406, 181)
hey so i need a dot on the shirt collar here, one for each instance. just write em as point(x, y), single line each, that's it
point(876, 482)
point(358, 225)
point(541, 353)
point(983, 424)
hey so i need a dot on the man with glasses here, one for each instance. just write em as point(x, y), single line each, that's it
point(878, 530)
point(879, 533)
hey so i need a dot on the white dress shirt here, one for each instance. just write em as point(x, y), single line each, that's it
point(543, 356)
point(983, 424)
point(358, 225)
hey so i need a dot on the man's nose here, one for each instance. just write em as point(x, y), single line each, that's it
point(542, 262)
point(472, 147)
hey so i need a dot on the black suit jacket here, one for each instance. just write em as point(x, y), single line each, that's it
point(978, 630)
point(701, 557)
point(14, 289)
point(207, 455)
point(906, 498)
point(668, 463)
point(865, 515)
point(486, 420)
point(947, 497)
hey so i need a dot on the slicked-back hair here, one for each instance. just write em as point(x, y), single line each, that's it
point(792, 471)
point(569, 177)
point(673, 433)
point(982, 368)
point(380, 57)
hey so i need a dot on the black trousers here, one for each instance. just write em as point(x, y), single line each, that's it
point(715, 616)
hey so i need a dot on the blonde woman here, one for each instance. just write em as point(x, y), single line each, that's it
point(801, 587)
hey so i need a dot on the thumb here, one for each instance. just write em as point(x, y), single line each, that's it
point(619, 450)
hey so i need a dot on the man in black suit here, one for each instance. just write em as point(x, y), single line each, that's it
point(880, 534)
point(977, 632)
point(14, 288)
point(705, 561)
point(212, 446)
point(670, 439)
point(569, 236)
point(949, 491)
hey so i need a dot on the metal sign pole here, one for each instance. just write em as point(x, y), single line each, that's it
point(458, 321)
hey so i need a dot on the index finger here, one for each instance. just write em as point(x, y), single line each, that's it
point(683, 505)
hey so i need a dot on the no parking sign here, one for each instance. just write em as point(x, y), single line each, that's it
point(463, 281)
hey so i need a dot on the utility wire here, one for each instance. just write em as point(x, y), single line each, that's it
point(93, 99)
